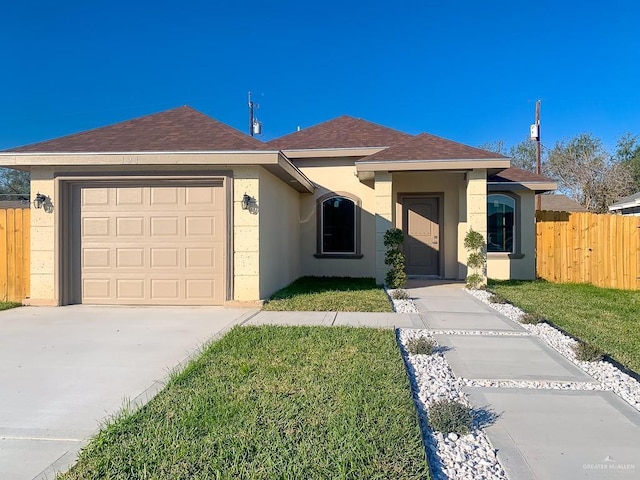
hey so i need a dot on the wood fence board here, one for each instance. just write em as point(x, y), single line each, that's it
point(11, 254)
point(15, 254)
point(3, 254)
point(600, 249)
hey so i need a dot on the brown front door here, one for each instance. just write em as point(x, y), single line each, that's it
point(420, 218)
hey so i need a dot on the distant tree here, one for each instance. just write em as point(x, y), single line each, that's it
point(523, 154)
point(14, 184)
point(497, 146)
point(587, 173)
point(628, 153)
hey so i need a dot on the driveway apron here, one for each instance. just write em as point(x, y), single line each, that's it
point(539, 433)
point(64, 370)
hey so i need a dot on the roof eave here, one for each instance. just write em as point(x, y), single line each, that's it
point(272, 160)
point(537, 187)
point(331, 152)
point(620, 206)
point(444, 164)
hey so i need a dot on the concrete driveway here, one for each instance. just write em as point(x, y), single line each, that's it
point(64, 370)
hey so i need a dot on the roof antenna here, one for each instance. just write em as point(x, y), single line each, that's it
point(255, 126)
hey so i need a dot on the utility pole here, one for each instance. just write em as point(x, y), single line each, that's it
point(535, 136)
point(250, 115)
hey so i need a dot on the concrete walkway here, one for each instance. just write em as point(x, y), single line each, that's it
point(329, 319)
point(540, 433)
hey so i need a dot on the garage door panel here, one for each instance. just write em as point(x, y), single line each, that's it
point(96, 257)
point(96, 288)
point(95, 196)
point(96, 227)
point(165, 289)
point(153, 245)
point(130, 196)
point(165, 258)
point(130, 257)
point(130, 289)
point(165, 226)
point(165, 196)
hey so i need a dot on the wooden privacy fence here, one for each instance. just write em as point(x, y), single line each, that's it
point(15, 232)
point(588, 248)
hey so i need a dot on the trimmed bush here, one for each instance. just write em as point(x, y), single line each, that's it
point(449, 416)
point(420, 345)
point(476, 259)
point(393, 239)
point(399, 294)
point(497, 298)
point(531, 318)
point(587, 352)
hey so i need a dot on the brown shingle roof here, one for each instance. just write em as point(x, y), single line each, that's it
point(341, 132)
point(560, 203)
point(179, 129)
point(429, 147)
point(518, 175)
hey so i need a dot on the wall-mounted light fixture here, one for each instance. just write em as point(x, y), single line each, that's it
point(40, 200)
point(246, 201)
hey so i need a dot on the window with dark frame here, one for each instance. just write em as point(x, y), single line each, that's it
point(500, 223)
point(338, 226)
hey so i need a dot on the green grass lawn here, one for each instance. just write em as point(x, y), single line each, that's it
point(272, 402)
point(607, 318)
point(330, 294)
point(8, 305)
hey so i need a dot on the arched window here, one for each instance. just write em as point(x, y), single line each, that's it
point(501, 223)
point(338, 225)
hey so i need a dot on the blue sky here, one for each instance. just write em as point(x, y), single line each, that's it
point(468, 71)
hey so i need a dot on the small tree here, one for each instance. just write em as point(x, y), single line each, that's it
point(476, 260)
point(393, 239)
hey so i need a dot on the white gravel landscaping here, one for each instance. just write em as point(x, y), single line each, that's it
point(471, 456)
point(401, 306)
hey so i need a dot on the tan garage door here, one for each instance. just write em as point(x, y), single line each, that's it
point(153, 245)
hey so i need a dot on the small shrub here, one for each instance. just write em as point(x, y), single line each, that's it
point(531, 318)
point(393, 239)
point(497, 298)
point(449, 416)
point(475, 280)
point(399, 294)
point(587, 352)
point(476, 259)
point(420, 345)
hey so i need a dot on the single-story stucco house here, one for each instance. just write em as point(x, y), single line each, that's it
point(177, 208)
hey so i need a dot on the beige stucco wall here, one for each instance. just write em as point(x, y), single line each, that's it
point(502, 266)
point(246, 235)
point(279, 234)
point(43, 240)
point(449, 186)
point(336, 175)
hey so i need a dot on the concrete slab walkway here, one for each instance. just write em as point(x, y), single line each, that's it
point(64, 369)
point(539, 433)
point(346, 319)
